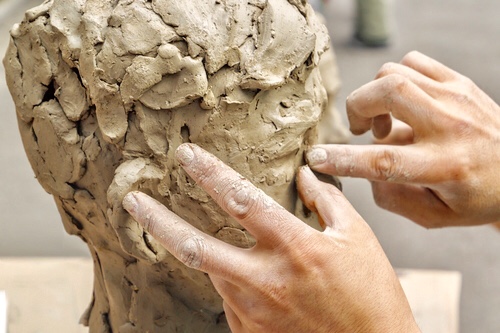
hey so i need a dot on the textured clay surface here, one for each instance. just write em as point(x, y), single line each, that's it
point(105, 91)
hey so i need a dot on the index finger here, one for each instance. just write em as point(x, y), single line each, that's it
point(263, 217)
point(392, 94)
point(428, 66)
point(399, 164)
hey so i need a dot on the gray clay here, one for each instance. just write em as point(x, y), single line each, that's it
point(105, 91)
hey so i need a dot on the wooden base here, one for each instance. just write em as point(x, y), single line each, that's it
point(3, 312)
point(434, 297)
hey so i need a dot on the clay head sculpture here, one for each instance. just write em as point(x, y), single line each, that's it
point(105, 91)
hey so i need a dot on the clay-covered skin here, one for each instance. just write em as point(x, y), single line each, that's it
point(105, 91)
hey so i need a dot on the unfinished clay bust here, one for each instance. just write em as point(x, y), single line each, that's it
point(106, 90)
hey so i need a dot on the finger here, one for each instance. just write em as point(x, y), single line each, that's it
point(400, 135)
point(324, 199)
point(417, 203)
point(230, 295)
point(401, 164)
point(265, 219)
point(381, 125)
point(393, 94)
point(232, 319)
point(237, 303)
point(424, 82)
point(428, 67)
point(188, 244)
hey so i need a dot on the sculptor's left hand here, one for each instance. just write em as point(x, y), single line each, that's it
point(295, 279)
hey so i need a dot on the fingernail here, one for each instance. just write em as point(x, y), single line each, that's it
point(130, 203)
point(185, 154)
point(306, 174)
point(316, 156)
point(307, 170)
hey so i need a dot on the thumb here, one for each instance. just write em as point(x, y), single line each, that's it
point(333, 209)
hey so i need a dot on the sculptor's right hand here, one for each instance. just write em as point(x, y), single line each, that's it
point(295, 279)
point(443, 167)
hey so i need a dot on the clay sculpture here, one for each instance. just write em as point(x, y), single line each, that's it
point(105, 91)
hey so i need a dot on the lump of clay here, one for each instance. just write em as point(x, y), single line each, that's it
point(105, 91)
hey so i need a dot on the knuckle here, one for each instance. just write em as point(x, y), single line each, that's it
point(461, 168)
point(241, 200)
point(462, 91)
point(465, 81)
point(191, 251)
point(411, 57)
point(463, 128)
point(386, 69)
point(386, 165)
point(394, 86)
point(397, 83)
point(461, 97)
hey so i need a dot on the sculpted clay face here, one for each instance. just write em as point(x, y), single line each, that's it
point(105, 91)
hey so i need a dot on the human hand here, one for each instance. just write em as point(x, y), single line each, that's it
point(441, 170)
point(295, 279)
